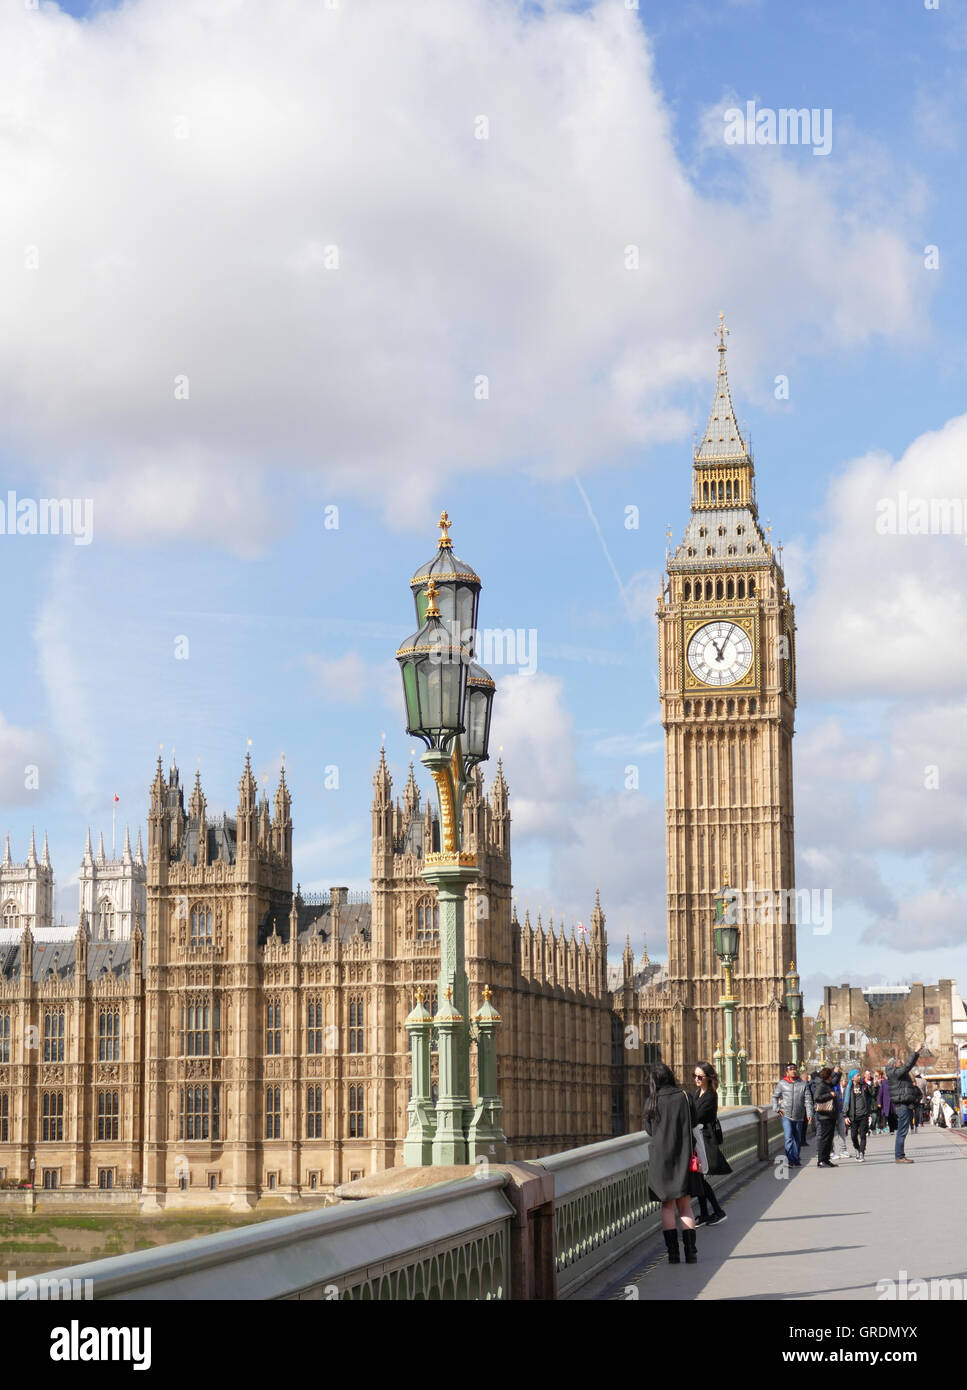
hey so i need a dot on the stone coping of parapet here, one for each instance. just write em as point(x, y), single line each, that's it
point(389, 1182)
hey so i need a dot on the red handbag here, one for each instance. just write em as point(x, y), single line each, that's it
point(693, 1164)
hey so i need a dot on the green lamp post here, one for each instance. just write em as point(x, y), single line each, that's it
point(821, 1037)
point(449, 699)
point(726, 935)
point(794, 1007)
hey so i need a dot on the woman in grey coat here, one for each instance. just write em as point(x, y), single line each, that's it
point(670, 1119)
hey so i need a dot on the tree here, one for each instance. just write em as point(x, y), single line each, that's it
point(892, 1027)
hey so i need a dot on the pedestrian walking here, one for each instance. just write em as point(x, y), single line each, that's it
point(884, 1103)
point(902, 1088)
point(793, 1102)
point(706, 1108)
point(839, 1129)
point(824, 1105)
point(936, 1105)
point(670, 1120)
point(859, 1105)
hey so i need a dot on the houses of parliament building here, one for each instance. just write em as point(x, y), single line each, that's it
point(238, 1038)
point(209, 1034)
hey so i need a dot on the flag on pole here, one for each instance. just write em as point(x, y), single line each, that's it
point(116, 797)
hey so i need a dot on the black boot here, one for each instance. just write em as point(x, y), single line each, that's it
point(671, 1245)
point(691, 1253)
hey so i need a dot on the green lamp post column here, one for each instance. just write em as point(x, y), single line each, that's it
point(448, 706)
point(727, 949)
point(821, 1037)
point(418, 1144)
point(486, 1134)
point(794, 1007)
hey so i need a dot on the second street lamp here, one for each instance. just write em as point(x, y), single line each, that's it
point(794, 1007)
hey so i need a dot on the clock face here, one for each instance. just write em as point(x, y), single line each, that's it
point(720, 653)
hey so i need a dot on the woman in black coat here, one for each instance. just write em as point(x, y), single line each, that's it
point(706, 1108)
point(823, 1093)
point(670, 1119)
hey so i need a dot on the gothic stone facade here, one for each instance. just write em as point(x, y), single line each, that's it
point(251, 1040)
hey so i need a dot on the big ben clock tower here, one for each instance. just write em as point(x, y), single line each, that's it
point(728, 696)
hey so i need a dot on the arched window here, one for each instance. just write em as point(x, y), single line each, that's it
point(730, 587)
point(200, 1028)
point(702, 532)
point(752, 706)
point(705, 492)
point(741, 588)
point(11, 915)
point(273, 1112)
point(427, 920)
point(731, 707)
point(108, 1035)
point(721, 492)
point(356, 1025)
point(709, 550)
point(53, 1129)
point(738, 529)
point(314, 1112)
point(688, 591)
point(751, 586)
point(728, 490)
point(54, 1035)
point(108, 1114)
point(708, 588)
point(357, 1127)
point(105, 920)
point(718, 588)
point(201, 926)
point(315, 1025)
point(273, 1028)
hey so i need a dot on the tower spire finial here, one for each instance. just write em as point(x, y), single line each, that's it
point(445, 541)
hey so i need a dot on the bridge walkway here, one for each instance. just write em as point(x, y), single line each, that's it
point(815, 1233)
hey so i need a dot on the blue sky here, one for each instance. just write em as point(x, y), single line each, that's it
point(180, 210)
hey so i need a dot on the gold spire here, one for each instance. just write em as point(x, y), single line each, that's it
point(723, 331)
point(445, 541)
point(431, 592)
point(488, 993)
point(420, 995)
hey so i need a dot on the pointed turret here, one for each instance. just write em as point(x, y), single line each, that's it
point(45, 857)
point(139, 852)
point(628, 962)
point(248, 814)
point(197, 803)
point(411, 795)
point(722, 439)
point(32, 852)
point(100, 849)
point(382, 783)
point(88, 858)
point(126, 857)
point(282, 820)
point(7, 861)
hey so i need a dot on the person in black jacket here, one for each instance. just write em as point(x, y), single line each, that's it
point(823, 1096)
point(860, 1104)
point(706, 1108)
point(902, 1095)
point(670, 1119)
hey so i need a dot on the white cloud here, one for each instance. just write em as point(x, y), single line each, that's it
point(188, 237)
point(928, 921)
point(882, 618)
point(22, 751)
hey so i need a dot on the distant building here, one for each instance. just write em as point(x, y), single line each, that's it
point(921, 1012)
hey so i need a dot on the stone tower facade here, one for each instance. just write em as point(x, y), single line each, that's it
point(112, 891)
point(26, 891)
point(726, 634)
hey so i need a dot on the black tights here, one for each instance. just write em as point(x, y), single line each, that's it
point(705, 1196)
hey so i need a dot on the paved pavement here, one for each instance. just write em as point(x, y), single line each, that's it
point(820, 1233)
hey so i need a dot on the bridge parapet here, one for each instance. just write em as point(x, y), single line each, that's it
point(505, 1232)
